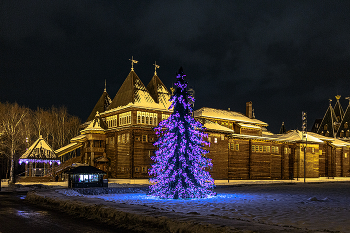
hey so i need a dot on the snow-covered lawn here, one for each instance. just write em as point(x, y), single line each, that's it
point(324, 206)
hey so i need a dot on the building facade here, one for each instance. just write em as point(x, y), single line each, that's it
point(118, 138)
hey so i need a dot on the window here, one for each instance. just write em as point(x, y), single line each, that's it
point(123, 138)
point(149, 153)
point(342, 133)
point(272, 149)
point(222, 137)
point(347, 134)
point(327, 134)
point(112, 121)
point(144, 169)
point(260, 149)
point(144, 138)
point(232, 146)
point(253, 148)
point(268, 149)
point(127, 137)
point(264, 149)
point(137, 138)
point(107, 140)
point(165, 116)
point(215, 140)
point(285, 150)
point(229, 146)
point(125, 118)
point(137, 169)
point(325, 127)
point(345, 155)
point(276, 149)
point(237, 147)
point(119, 138)
point(313, 150)
point(346, 125)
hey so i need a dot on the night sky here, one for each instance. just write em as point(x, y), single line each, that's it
point(284, 56)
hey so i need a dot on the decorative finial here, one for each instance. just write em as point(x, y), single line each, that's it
point(132, 62)
point(330, 101)
point(348, 98)
point(337, 97)
point(105, 86)
point(155, 67)
point(172, 89)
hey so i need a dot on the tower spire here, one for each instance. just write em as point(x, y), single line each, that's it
point(348, 98)
point(155, 67)
point(105, 90)
point(132, 62)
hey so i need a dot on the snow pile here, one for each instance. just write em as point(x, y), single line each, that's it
point(136, 222)
point(69, 192)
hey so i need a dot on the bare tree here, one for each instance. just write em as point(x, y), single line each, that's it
point(11, 122)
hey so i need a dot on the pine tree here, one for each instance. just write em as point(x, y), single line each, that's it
point(180, 162)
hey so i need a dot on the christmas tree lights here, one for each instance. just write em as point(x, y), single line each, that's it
point(180, 162)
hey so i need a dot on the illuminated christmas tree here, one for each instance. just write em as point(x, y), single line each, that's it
point(180, 162)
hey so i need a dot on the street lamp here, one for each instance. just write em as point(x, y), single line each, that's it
point(304, 136)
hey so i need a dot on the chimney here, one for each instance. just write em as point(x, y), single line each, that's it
point(249, 109)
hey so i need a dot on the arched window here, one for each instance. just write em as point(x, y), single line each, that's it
point(346, 125)
point(342, 133)
point(325, 127)
point(347, 134)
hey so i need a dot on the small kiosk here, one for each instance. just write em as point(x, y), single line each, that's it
point(85, 177)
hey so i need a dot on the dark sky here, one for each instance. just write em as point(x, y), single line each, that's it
point(284, 56)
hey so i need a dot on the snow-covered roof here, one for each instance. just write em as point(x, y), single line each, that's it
point(79, 138)
point(333, 141)
point(68, 148)
point(248, 126)
point(94, 126)
point(134, 92)
point(215, 126)
point(226, 115)
point(40, 149)
point(297, 136)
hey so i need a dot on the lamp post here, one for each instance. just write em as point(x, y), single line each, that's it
point(304, 135)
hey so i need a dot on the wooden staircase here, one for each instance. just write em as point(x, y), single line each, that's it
point(63, 166)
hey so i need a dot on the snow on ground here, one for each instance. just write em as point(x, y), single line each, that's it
point(313, 206)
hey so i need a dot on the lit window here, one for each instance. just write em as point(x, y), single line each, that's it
point(229, 146)
point(253, 148)
point(123, 138)
point(268, 149)
point(264, 148)
point(276, 149)
point(346, 125)
point(144, 138)
point(232, 146)
point(222, 137)
point(260, 148)
point(272, 149)
point(127, 137)
point(313, 150)
point(118, 138)
point(325, 127)
point(215, 140)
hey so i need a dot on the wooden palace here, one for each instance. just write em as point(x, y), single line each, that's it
point(118, 138)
